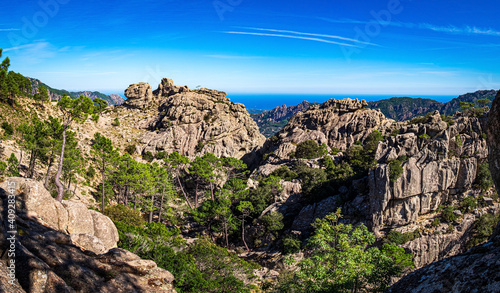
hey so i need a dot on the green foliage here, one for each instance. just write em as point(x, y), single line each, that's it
point(130, 149)
point(483, 102)
point(398, 238)
point(291, 244)
point(273, 222)
point(448, 119)
point(483, 177)
point(199, 146)
point(309, 149)
point(285, 173)
point(448, 214)
point(122, 214)
point(424, 136)
point(148, 156)
point(3, 169)
point(342, 259)
point(202, 267)
point(395, 170)
point(436, 222)
point(8, 129)
point(483, 227)
point(13, 166)
point(466, 106)
point(458, 140)
point(468, 204)
point(116, 122)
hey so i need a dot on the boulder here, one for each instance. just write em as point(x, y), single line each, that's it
point(139, 95)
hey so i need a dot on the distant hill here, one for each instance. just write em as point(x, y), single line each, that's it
point(274, 120)
point(404, 108)
point(397, 108)
point(56, 94)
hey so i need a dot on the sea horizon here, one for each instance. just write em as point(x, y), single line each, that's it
point(271, 101)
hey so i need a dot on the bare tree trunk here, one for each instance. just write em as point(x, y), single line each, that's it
point(103, 170)
point(31, 167)
point(243, 233)
point(47, 175)
point(126, 195)
point(161, 202)
point(183, 192)
point(212, 190)
point(151, 208)
point(60, 187)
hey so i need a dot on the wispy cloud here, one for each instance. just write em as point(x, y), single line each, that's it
point(291, 37)
point(9, 29)
point(467, 30)
point(312, 35)
point(450, 29)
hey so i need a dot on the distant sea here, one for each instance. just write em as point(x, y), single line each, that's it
point(271, 101)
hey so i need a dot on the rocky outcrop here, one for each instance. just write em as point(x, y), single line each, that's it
point(478, 269)
point(47, 260)
point(88, 229)
point(336, 123)
point(139, 95)
point(198, 122)
point(439, 164)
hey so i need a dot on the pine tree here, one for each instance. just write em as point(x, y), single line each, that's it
point(76, 110)
point(102, 149)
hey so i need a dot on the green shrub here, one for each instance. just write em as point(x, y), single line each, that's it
point(273, 222)
point(395, 170)
point(8, 129)
point(424, 136)
point(436, 222)
point(448, 119)
point(458, 140)
point(309, 149)
point(483, 228)
point(130, 149)
point(199, 146)
point(448, 214)
point(394, 237)
point(90, 172)
point(291, 244)
point(125, 215)
point(148, 156)
point(116, 122)
point(13, 166)
point(468, 204)
point(285, 173)
point(483, 177)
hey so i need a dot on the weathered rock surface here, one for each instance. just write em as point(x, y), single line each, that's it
point(198, 122)
point(337, 123)
point(47, 260)
point(89, 229)
point(478, 269)
point(441, 164)
point(139, 95)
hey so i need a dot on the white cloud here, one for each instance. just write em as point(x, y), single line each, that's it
point(290, 37)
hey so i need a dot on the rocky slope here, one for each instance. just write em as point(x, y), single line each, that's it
point(193, 122)
point(439, 163)
point(478, 269)
point(336, 123)
point(272, 121)
point(49, 260)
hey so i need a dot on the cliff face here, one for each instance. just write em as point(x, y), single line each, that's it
point(194, 122)
point(442, 163)
point(48, 259)
point(477, 270)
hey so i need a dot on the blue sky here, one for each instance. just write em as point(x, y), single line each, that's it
point(418, 47)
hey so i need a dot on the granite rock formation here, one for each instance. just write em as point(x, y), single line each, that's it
point(195, 122)
point(47, 259)
point(441, 164)
point(88, 229)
